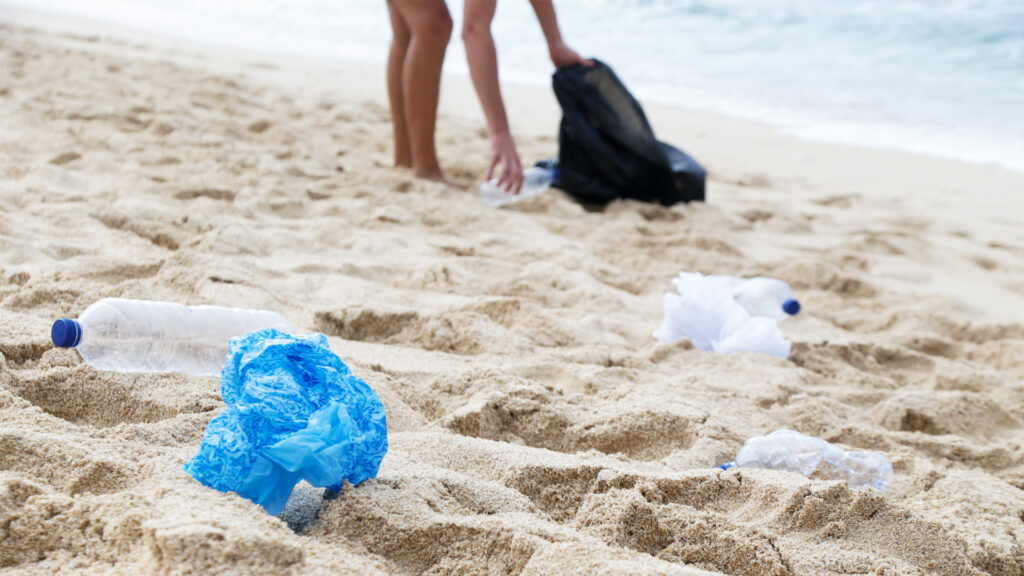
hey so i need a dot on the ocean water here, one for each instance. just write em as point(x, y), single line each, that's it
point(940, 77)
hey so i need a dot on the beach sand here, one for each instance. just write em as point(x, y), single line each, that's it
point(535, 425)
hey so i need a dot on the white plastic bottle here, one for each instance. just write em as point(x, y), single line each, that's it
point(536, 181)
point(766, 297)
point(791, 451)
point(143, 336)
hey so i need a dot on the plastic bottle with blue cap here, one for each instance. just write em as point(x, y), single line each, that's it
point(142, 336)
point(727, 314)
point(536, 180)
point(768, 297)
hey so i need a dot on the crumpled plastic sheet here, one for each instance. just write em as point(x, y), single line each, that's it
point(294, 412)
point(792, 451)
point(704, 311)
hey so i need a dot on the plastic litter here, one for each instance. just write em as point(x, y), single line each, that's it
point(142, 336)
point(607, 149)
point(791, 451)
point(704, 310)
point(294, 412)
point(766, 297)
point(536, 180)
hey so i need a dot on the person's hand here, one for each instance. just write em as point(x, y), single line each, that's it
point(503, 152)
point(562, 56)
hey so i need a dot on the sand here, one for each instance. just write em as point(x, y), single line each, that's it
point(535, 425)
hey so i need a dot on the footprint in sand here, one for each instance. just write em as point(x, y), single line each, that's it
point(213, 193)
point(65, 158)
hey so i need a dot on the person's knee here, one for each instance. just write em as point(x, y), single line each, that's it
point(472, 30)
point(437, 25)
point(400, 43)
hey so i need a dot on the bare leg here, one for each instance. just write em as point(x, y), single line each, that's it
point(430, 27)
point(396, 60)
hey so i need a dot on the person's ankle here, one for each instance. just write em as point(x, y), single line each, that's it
point(437, 176)
point(430, 173)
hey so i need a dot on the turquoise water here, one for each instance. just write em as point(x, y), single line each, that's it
point(944, 77)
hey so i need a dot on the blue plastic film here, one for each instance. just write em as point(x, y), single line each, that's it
point(294, 412)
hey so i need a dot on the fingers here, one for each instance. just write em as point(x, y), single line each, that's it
point(511, 175)
point(562, 56)
point(506, 180)
point(518, 175)
point(490, 170)
point(514, 175)
point(503, 179)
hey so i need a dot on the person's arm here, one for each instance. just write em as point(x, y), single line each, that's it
point(483, 69)
point(561, 54)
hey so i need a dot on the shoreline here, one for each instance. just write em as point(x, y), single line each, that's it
point(741, 155)
point(458, 97)
point(770, 161)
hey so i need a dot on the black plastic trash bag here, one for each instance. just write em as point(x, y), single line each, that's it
point(607, 149)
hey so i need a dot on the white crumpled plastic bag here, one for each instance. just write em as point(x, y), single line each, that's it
point(704, 311)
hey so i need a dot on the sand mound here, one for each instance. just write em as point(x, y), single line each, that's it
point(536, 427)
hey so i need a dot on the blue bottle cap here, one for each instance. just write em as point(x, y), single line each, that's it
point(726, 466)
point(791, 307)
point(66, 333)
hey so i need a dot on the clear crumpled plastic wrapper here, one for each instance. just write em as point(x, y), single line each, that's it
point(294, 412)
point(704, 311)
point(791, 451)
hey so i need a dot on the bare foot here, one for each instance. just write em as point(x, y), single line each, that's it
point(439, 177)
point(448, 183)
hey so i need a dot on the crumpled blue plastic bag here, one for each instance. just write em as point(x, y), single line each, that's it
point(294, 412)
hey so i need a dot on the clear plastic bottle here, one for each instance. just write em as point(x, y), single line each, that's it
point(766, 297)
point(536, 181)
point(143, 336)
point(791, 451)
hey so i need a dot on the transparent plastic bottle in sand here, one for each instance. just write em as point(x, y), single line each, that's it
point(142, 336)
point(765, 297)
point(536, 181)
point(791, 451)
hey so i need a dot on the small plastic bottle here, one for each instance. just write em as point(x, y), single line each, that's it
point(536, 181)
point(142, 336)
point(791, 451)
point(766, 297)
